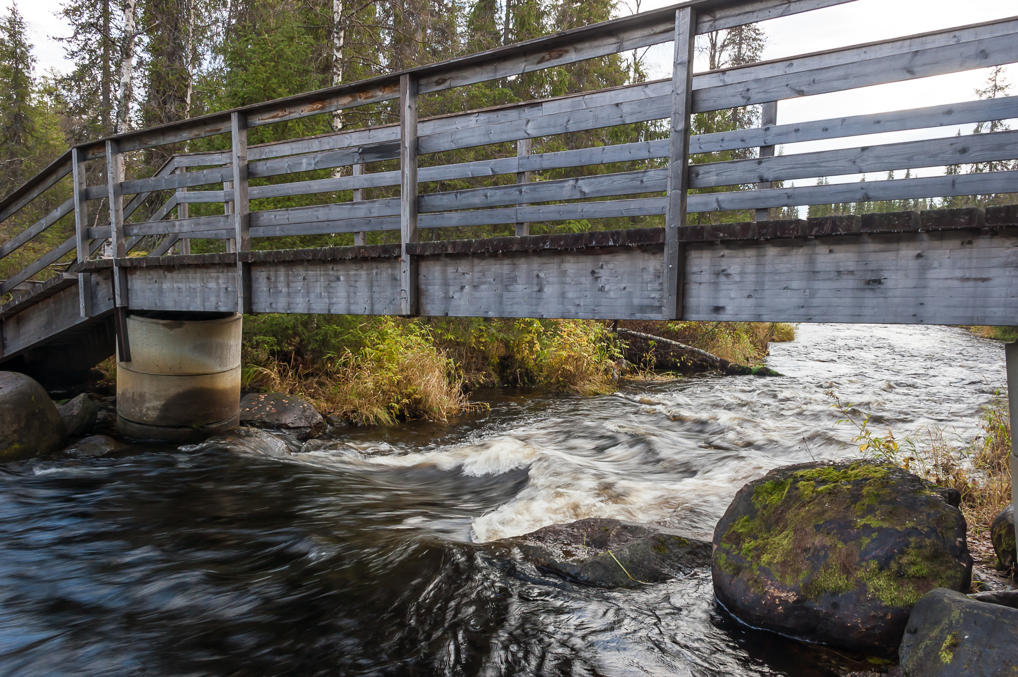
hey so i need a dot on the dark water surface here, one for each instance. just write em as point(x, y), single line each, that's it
point(365, 557)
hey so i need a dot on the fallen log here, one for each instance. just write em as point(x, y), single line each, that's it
point(664, 354)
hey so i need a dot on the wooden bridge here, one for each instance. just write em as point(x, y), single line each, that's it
point(940, 267)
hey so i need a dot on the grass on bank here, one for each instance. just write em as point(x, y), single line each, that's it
point(380, 370)
point(980, 472)
point(1006, 334)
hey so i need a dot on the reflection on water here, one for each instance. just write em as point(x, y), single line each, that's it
point(365, 557)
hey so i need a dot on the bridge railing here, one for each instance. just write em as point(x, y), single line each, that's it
point(671, 183)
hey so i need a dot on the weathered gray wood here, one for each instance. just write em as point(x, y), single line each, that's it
point(1011, 367)
point(768, 118)
point(935, 278)
point(624, 283)
point(877, 123)
point(851, 75)
point(193, 288)
point(344, 287)
point(522, 152)
point(599, 185)
point(360, 236)
point(37, 266)
point(36, 228)
point(196, 226)
point(408, 200)
point(678, 163)
point(860, 191)
point(14, 201)
point(172, 181)
point(337, 212)
point(114, 178)
point(903, 155)
point(79, 184)
point(241, 215)
point(710, 19)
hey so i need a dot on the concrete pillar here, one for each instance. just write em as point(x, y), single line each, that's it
point(183, 380)
point(1011, 354)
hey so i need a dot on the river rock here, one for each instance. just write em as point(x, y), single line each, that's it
point(283, 412)
point(838, 553)
point(29, 422)
point(94, 446)
point(949, 633)
point(79, 415)
point(249, 441)
point(1002, 535)
point(609, 553)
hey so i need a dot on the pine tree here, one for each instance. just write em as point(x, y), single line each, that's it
point(17, 125)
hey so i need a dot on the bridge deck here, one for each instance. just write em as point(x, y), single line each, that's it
point(630, 169)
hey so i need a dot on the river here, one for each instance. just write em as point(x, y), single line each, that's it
point(362, 557)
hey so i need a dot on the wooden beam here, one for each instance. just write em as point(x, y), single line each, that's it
point(768, 117)
point(678, 163)
point(114, 179)
point(522, 152)
point(81, 230)
point(408, 301)
point(359, 237)
point(241, 208)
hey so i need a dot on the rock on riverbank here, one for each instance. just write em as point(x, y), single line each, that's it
point(838, 553)
point(29, 422)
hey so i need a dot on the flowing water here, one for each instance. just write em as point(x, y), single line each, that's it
point(364, 557)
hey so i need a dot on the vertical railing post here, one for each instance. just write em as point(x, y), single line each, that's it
point(408, 301)
point(1011, 357)
point(80, 184)
point(678, 163)
point(360, 237)
point(768, 117)
point(241, 209)
point(522, 152)
point(183, 212)
point(114, 179)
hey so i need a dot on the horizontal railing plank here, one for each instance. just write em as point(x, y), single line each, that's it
point(884, 157)
point(857, 125)
point(861, 191)
point(193, 225)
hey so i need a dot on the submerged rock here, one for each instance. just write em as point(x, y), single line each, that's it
point(838, 553)
point(246, 440)
point(29, 422)
point(1002, 535)
point(284, 412)
point(79, 415)
point(609, 553)
point(94, 446)
point(949, 633)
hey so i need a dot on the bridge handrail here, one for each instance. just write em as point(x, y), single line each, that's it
point(664, 186)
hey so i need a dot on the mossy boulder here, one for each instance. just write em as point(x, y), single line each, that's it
point(951, 634)
point(608, 553)
point(29, 422)
point(838, 553)
point(281, 412)
point(1002, 535)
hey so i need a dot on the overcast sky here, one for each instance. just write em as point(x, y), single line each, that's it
point(847, 24)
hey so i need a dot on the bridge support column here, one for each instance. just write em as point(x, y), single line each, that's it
point(183, 379)
point(1011, 353)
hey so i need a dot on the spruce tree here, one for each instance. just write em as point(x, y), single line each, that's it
point(17, 126)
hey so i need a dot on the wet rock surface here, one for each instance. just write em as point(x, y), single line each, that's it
point(29, 422)
point(252, 441)
point(283, 412)
point(79, 415)
point(94, 446)
point(1002, 535)
point(949, 633)
point(609, 553)
point(838, 553)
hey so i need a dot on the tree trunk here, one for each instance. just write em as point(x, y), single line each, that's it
point(127, 66)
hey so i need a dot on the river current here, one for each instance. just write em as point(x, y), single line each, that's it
point(364, 557)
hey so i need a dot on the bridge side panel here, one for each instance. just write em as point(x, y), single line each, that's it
point(623, 284)
point(352, 287)
point(54, 315)
point(208, 288)
point(956, 277)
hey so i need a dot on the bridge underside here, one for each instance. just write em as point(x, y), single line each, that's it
point(940, 267)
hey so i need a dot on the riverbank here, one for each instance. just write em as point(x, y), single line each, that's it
point(370, 371)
